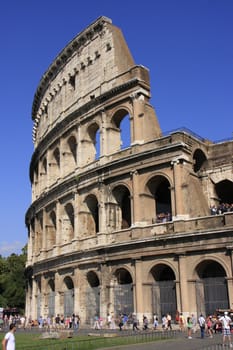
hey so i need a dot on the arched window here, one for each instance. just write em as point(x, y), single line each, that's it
point(123, 209)
point(120, 135)
point(224, 190)
point(199, 160)
point(94, 150)
point(92, 296)
point(68, 297)
point(123, 292)
point(93, 214)
point(163, 290)
point(72, 143)
point(159, 187)
point(211, 288)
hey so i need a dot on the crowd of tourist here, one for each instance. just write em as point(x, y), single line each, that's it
point(221, 208)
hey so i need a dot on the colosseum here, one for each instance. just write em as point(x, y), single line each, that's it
point(123, 219)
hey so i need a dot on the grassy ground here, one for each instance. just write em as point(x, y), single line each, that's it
point(34, 341)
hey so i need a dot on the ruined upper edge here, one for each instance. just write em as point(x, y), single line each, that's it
point(76, 43)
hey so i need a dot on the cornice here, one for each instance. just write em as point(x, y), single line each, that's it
point(60, 61)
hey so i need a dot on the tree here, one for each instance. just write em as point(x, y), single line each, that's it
point(12, 281)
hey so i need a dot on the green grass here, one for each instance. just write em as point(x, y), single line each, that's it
point(33, 341)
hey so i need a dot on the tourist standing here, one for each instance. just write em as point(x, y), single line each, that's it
point(201, 322)
point(226, 331)
point(8, 342)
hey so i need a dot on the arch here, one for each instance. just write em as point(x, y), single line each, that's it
point(211, 287)
point(122, 197)
point(44, 166)
point(224, 190)
point(163, 290)
point(123, 292)
point(68, 287)
point(93, 214)
point(51, 230)
point(122, 129)
point(56, 156)
point(92, 296)
point(199, 160)
point(160, 202)
point(72, 144)
point(67, 223)
point(94, 148)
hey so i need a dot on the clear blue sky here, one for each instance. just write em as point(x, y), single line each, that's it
point(186, 44)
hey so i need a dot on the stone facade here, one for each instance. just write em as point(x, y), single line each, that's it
point(121, 228)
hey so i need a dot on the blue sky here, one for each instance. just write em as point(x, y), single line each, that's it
point(186, 44)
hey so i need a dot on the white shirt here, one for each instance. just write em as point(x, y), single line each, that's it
point(225, 321)
point(10, 341)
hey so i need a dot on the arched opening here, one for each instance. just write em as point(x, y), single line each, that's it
point(119, 136)
point(163, 291)
point(51, 298)
point(92, 297)
point(123, 292)
point(56, 155)
point(93, 214)
point(51, 230)
point(72, 144)
point(123, 215)
point(94, 150)
point(199, 160)
point(159, 187)
point(224, 190)
point(38, 233)
point(68, 296)
point(68, 223)
point(211, 287)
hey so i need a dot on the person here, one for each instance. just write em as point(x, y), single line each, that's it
point(135, 322)
point(194, 322)
point(226, 320)
point(181, 322)
point(8, 342)
point(189, 327)
point(201, 322)
point(209, 326)
point(169, 322)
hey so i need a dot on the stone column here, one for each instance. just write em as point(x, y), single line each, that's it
point(57, 306)
point(184, 295)
point(178, 179)
point(31, 312)
point(230, 279)
point(139, 302)
point(137, 118)
point(136, 207)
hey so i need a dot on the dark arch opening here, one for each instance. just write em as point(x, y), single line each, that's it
point(122, 196)
point(93, 206)
point(211, 288)
point(199, 159)
point(159, 187)
point(224, 190)
point(93, 279)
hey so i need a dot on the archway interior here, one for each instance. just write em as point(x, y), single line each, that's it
point(199, 160)
point(224, 190)
point(123, 293)
point(68, 297)
point(122, 197)
point(211, 289)
point(163, 291)
point(159, 187)
point(93, 207)
point(92, 297)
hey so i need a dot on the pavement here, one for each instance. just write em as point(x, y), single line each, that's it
point(180, 342)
